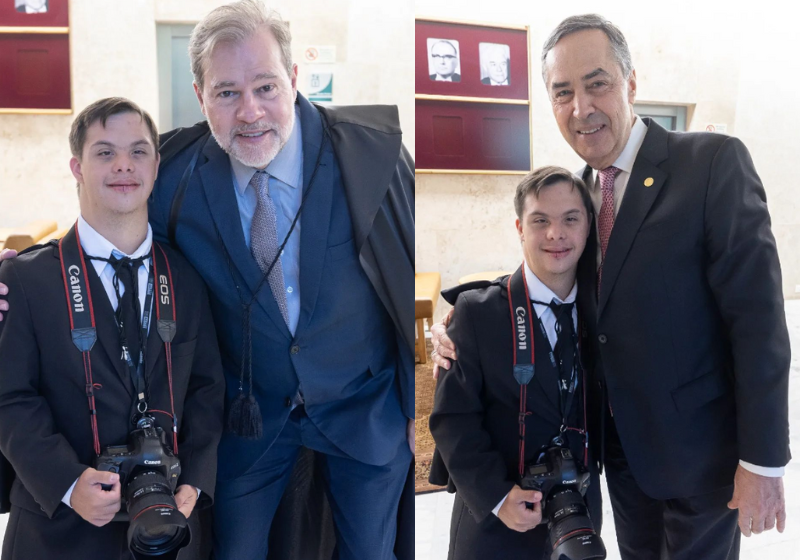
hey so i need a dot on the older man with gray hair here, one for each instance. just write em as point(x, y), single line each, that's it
point(300, 220)
point(680, 294)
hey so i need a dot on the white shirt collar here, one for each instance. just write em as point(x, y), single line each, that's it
point(287, 166)
point(627, 158)
point(440, 78)
point(96, 245)
point(539, 292)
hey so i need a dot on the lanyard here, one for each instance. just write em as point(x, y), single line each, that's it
point(137, 370)
point(568, 380)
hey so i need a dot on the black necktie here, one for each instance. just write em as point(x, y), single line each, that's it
point(129, 314)
point(565, 342)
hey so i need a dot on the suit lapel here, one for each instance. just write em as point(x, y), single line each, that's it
point(587, 269)
point(106, 326)
point(643, 188)
point(316, 215)
point(217, 179)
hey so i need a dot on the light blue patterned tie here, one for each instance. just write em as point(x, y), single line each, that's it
point(264, 240)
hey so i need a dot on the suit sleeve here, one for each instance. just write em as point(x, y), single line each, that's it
point(43, 460)
point(202, 421)
point(745, 276)
point(476, 468)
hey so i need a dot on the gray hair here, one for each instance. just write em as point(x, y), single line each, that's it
point(234, 23)
point(573, 24)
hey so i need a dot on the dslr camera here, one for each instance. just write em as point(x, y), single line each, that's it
point(563, 484)
point(148, 475)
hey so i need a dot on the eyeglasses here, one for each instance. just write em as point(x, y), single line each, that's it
point(444, 56)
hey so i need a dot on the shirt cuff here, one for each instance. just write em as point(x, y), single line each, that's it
point(68, 496)
point(772, 472)
point(198, 492)
point(498, 506)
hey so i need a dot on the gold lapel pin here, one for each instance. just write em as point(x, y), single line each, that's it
point(648, 182)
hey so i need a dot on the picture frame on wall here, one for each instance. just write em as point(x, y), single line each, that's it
point(35, 57)
point(472, 97)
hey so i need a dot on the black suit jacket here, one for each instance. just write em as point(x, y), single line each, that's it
point(475, 425)
point(689, 329)
point(45, 430)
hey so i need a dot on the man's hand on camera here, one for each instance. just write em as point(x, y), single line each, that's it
point(5, 254)
point(515, 513)
point(443, 347)
point(90, 501)
point(760, 502)
point(186, 499)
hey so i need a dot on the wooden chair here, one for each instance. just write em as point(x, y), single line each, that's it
point(426, 293)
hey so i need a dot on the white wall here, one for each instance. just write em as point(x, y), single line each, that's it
point(738, 67)
point(113, 52)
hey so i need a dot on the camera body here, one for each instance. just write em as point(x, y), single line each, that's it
point(563, 484)
point(146, 450)
point(555, 467)
point(148, 475)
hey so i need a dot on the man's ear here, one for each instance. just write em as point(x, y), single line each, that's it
point(293, 79)
point(519, 230)
point(199, 95)
point(632, 88)
point(75, 167)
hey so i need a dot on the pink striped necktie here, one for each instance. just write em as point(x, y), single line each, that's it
point(605, 221)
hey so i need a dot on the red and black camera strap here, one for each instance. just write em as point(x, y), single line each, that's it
point(524, 364)
point(84, 332)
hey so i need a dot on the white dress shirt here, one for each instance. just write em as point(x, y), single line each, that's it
point(625, 163)
point(95, 245)
point(539, 292)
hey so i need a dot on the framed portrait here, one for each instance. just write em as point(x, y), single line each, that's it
point(34, 13)
point(494, 62)
point(444, 62)
point(34, 57)
point(472, 91)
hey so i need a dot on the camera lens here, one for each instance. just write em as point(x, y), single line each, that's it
point(572, 533)
point(156, 525)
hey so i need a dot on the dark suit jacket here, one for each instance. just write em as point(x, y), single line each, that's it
point(689, 327)
point(45, 431)
point(475, 425)
point(356, 407)
point(454, 77)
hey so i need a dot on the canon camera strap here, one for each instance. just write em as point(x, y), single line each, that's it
point(519, 304)
point(84, 331)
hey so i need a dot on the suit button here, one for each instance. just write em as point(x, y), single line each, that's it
point(288, 402)
point(602, 338)
point(295, 349)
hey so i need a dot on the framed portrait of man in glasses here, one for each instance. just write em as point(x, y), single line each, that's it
point(444, 63)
